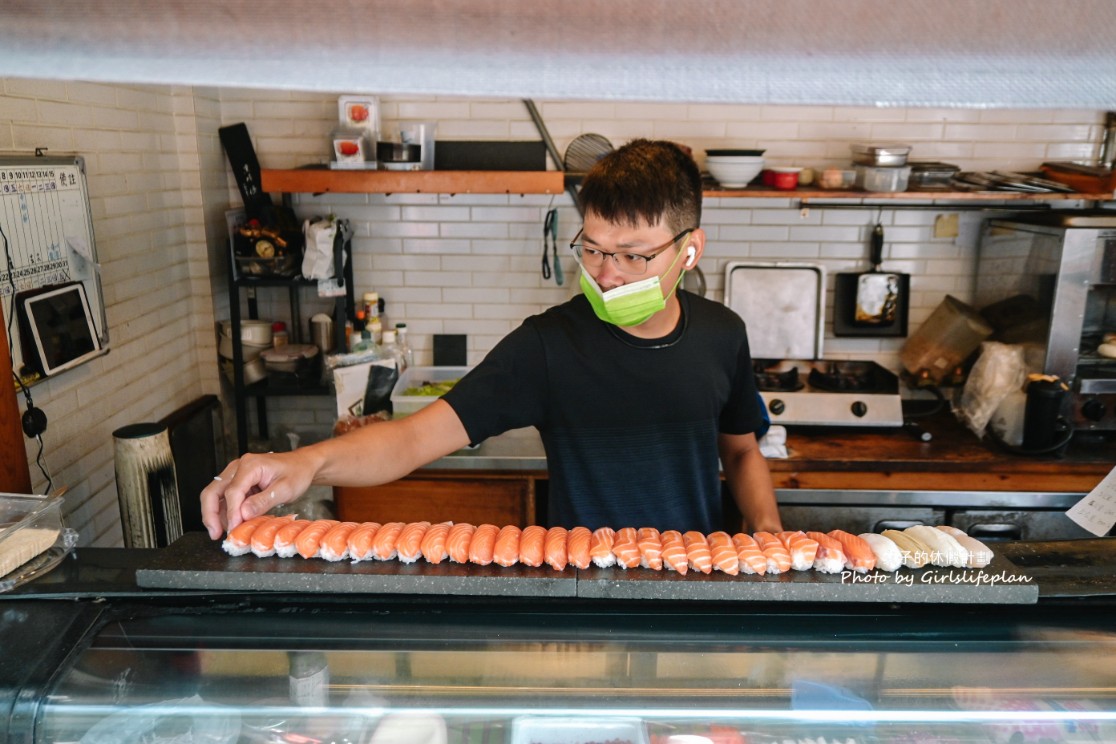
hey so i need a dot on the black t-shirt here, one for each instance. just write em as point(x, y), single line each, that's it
point(629, 425)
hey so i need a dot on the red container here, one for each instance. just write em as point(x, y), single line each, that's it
point(784, 179)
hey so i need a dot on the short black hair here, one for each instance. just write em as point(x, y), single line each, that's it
point(645, 180)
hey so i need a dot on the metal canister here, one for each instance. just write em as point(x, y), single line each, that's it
point(1040, 418)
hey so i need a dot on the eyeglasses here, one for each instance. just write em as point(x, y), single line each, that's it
point(634, 264)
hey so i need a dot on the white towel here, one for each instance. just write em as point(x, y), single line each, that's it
point(773, 444)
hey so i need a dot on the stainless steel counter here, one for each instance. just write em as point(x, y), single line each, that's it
point(515, 450)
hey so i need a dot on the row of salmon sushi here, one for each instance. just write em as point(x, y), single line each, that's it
point(760, 553)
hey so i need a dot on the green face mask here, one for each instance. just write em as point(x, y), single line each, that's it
point(629, 304)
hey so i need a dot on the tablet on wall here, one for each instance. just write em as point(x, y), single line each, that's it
point(60, 325)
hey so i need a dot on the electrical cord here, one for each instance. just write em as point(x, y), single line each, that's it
point(34, 421)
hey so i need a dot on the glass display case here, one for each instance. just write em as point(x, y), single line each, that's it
point(299, 670)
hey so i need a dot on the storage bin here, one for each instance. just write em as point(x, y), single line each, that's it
point(414, 377)
point(29, 526)
point(880, 155)
point(873, 178)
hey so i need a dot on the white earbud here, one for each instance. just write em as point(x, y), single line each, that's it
point(690, 254)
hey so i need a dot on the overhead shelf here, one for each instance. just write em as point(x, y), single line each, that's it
point(806, 194)
point(322, 180)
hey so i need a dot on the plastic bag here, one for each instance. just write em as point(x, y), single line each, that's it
point(317, 261)
point(999, 371)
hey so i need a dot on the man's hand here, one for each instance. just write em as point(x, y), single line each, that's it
point(252, 486)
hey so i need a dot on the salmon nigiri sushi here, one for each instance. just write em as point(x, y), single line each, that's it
point(286, 536)
point(577, 547)
point(383, 547)
point(698, 554)
point(457, 542)
point(803, 551)
point(239, 539)
point(554, 548)
point(752, 559)
point(408, 547)
point(532, 545)
point(433, 545)
point(626, 548)
point(650, 548)
point(335, 542)
point(309, 541)
point(725, 557)
point(360, 541)
point(831, 556)
point(483, 544)
point(859, 555)
point(777, 555)
point(263, 537)
point(505, 552)
point(600, 547)
point(674, 551)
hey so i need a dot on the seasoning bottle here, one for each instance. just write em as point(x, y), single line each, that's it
point(279, 335)
point(392, 351)
point(401, 342)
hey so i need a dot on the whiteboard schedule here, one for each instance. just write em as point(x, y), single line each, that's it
point(47, 243)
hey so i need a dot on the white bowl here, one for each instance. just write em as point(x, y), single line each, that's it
point(734, 175)
point(251, 331)
point(734, 159)
point(250, 351)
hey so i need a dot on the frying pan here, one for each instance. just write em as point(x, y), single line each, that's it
point(871, 303)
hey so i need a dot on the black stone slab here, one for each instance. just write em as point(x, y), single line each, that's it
point(196, 562)
point(1001, 582)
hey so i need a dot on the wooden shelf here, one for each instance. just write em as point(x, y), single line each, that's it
point(321, 180)
point(805, 195)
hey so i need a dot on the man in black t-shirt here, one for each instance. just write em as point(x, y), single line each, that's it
point(638, 389)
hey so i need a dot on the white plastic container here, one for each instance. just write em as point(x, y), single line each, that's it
point(414, 377)
point(581, 730)
point(880, 178)
point(29, 526)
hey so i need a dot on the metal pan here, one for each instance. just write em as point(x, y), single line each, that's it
point(871, 303)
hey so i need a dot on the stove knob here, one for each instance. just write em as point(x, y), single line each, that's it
point(777, 407)
point(1093, 409)
point(859, 409)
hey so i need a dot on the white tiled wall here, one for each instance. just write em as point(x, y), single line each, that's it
point(145, 185)
point(445, 264)
point(471, 264)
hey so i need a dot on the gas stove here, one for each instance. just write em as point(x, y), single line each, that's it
point(829, 393)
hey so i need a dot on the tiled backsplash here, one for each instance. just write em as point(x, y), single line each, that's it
point(471, 264)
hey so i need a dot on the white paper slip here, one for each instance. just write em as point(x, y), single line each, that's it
point(1097, 511)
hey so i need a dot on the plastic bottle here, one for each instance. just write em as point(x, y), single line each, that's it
point(401, 342)
point(392, 351)
point(365, 343)
point(376, 328)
